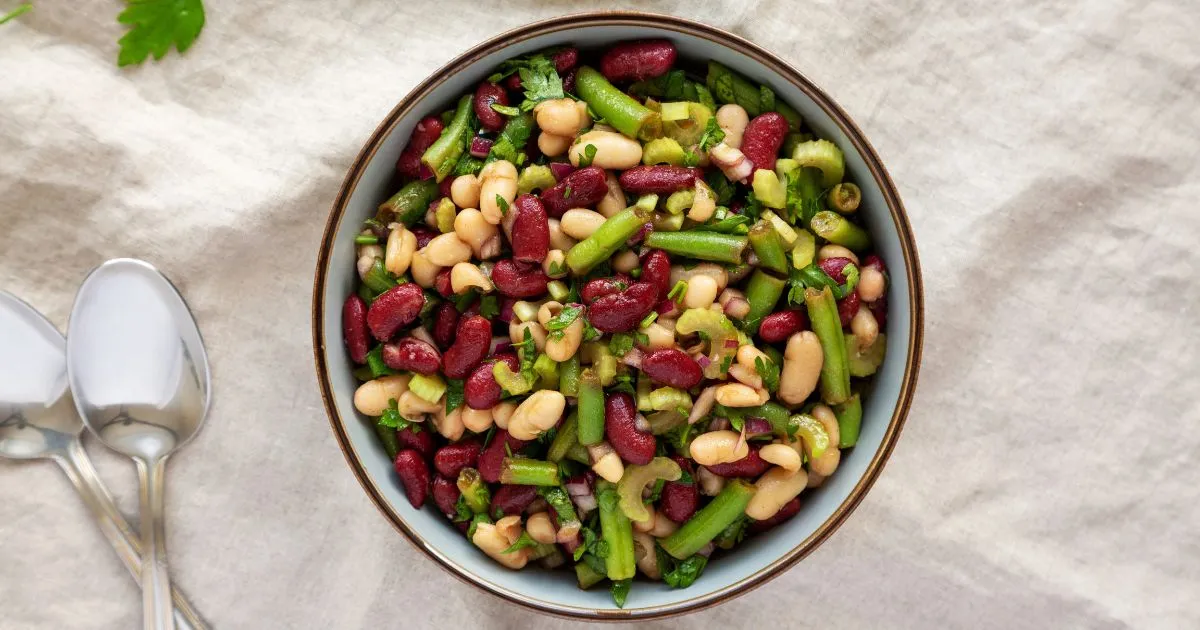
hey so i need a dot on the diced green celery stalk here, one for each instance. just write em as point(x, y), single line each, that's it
point(717, 327)
point(769, 190)
point(606, 369)
point(444, 214)
point(535, 177)
point(647, 202)
point(643, 392)
point(804, 249)
point(785, 231)
point(680, 200)
point(669, 398)
point(863, 363)
point(547, 369)
point(558, 289)
point(823, 155)
point(635, 480)
point(662, 151)
point(509, 381)
point(812, 433)
point(675, 111)
point(428, 387)
point(668, 222)
point(525, 311)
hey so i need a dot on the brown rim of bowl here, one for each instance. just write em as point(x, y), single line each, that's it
point(771, 62)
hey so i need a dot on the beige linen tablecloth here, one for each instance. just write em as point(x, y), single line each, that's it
point(1049, 157)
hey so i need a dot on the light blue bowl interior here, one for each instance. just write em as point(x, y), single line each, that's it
point(556, 590)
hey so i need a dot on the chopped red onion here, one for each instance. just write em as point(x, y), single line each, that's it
point(641, 423)
point(757, 426)
point(704, 361)
point(480, 146)
point(501, 344)
point(731, 343)
point(633, 358)
point(737, 308)
point(707, 550)
point(718, 424)
point(584, 504)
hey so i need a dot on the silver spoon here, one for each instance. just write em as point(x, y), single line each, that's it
point(140, 378)
point(38, 421)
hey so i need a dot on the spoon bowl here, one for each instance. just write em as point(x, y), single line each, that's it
point(139, 373)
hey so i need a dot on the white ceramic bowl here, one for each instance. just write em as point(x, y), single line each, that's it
point(760, 558)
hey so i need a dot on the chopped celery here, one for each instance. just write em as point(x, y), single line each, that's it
point(535, 177)
point(823, 155)
point(681, 200)
point(547, 369)
point(722, 335)
point(509, 381)
point(647, 202)
point(804, 249)
point(635, 480)
point(865, 362)
point(444, 215)
point(668, 222)
point(669, 398)
point(786, 232)
point(606, 369)
point(812, 433)
point(769, 190)
point(662, 151)
point(688, 131)
point(674, 111)
point(558, 289)
point(429, 387)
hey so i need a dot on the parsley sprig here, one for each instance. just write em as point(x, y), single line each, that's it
point(156, 25)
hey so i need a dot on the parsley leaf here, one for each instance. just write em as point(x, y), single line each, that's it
point(527, 350)
point(541, 82)
point(156, 25)
point(680, 573)
point(713, 135)
point(392, 419)
point(621, 343)
point(589, 331)
point(489, 307)
point(623, 383)
point(769, 372)
point(502, 204)
point(454, 394)
point(565, 318)
point(524, 542)
point(462, 513)
point(722, 187)
point(589, 154)
point(588, 540)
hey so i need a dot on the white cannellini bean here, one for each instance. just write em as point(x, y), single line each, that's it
point(732, 119)
point(465, 276)
point(871, 284)
point(464, 191)
point(836, 251)
point(613, 150)
point(865, 328)
point(447, 250)
point(498, 179)
point(781, 455)
point(614, 201)
point(553, 145)
point(626, 261)
point(701, 292)
point(473, 229)
point(371, 398)
point(774, 489)
point(536, 414)
point(580, 223)
point(476, 420)
point(560, 116)
point(802, 361)
point(558, 238)
point(718, 447)
point(502, 412)
point(424, 273)
point(401, 245)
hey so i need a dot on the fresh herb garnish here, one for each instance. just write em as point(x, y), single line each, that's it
point(502, 204)
point(156, 25)
point(454, 394)
point(680, 573)
point(524, 542)
point(462, 513)
point(507, 110)
point(620, 590)
point(527, 351)
point(677, 292)
point(16, 13)
point(565, 318)
point(768, 372)
point(589, 154)
point(392, 419)
point(621, 343)
point(713, 135)
point(489, 306)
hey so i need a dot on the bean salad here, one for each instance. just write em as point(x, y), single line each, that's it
point(618, 316)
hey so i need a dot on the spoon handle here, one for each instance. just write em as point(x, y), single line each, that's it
point(78, 467)
point(156, 578)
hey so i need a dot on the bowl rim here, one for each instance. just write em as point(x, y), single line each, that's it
point(772, 63)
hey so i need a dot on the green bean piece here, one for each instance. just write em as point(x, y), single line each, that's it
point(409, 205)
point(568, 376)
point(387, 435)
point(729, 87)
point(710, 521)
point(620, 110)
point(587, 576)
point(849, 417)
point(606, 240)
point(377, 278)
point(827, 324)
point(442, 156)
point(474, 490)
point(768, 247)
point(617, 532)
point(762, 292)
point(528, 472)
point(558, 499)
point(838, 230)
point(591, 408)
point(844, 198)
point(567, 436)
point(714, 246)
point(579, 453)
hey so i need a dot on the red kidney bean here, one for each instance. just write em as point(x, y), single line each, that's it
point(423, 234)
point(789, 509)
point(481, 391)
point(569, 81)
point(486, 95)
point(777, 327)
point(621, 312)
point(419, 439)
point(600, 287)
point(511, 499)
point(513, 82)
point(587, 187)
point(561, 170)
point(492, 457)
point(879, 310)
point(442, 284)
point(656, 269)
point(679, 499)
point(848, 307)
point(565, 59)
point(668, 308)
point(469, 348)
point(620, 426)
point(763, 138)
point(423, 135)
point(673, 367)
point(414, 475)
point(412, 355)
point(396, 308)
point(445, 495)
point(833, 267)
point(445, 324)
point(506, 310)
point(452, 458)
point(530, 230)
point(637, 61)
point(354, 328)
point(758, 427)
point(752, 465)
point(659, 179)
point(519, 280)
point(875, 262)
